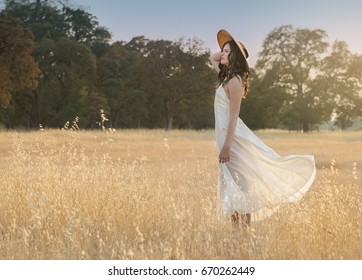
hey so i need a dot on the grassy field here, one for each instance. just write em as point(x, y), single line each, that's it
point(151, 194)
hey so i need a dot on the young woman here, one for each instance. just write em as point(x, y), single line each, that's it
point(253, 179)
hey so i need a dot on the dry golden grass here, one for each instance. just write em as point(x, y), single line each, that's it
point(150, 194)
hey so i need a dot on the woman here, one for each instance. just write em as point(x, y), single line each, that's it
point(253, 179)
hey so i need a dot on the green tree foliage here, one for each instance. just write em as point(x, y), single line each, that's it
point(53, 19)
point(263, 103)
point(141, 83)
point(292, 55)
point(342, 84)
point(68, 68)
point(177, 82)
point(83, 27)
point(18, 69)
point(41, 17)
point(118, 74)
point(316, 85)
point(73, 70)
point(66, 62)
point(196, 83)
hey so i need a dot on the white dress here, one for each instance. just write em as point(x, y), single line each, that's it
point(256, 180)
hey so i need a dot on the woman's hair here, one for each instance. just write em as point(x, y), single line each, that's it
point(238, 67)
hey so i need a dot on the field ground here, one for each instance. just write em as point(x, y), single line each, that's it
point(151, 194)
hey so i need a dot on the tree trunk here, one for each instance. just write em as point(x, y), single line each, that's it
point(169, 121)
point(35, 109)
point(305, 127)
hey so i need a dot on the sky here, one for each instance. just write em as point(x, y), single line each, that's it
point(248, 21)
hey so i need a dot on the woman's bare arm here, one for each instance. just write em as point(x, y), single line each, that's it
point(215, 60)
point(236, 93)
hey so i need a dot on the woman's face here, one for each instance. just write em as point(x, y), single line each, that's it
point(224, 58)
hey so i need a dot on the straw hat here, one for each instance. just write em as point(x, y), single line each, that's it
point(223, 36)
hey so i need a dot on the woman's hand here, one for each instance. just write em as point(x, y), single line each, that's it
point(224, 155)
point(215, 60)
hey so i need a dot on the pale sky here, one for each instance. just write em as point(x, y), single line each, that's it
point(248, 21)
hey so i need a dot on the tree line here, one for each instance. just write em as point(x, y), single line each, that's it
point(58, 63)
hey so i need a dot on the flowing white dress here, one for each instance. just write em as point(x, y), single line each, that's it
point(256, 180)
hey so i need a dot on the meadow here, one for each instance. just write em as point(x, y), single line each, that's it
point(151, 194)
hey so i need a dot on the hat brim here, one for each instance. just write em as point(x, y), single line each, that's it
point(223, 36)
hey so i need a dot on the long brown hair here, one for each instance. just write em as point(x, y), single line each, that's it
point(238, 67)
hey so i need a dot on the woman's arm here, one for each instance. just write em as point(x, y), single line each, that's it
point(236, 92)
point(215, 60)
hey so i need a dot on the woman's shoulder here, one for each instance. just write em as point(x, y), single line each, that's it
point(234, 86)
point(235, 81)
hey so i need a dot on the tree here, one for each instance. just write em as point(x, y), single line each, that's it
point(176, 80)
point(18, 69)
point(142, 83)
point(54, 19)
point(83, 27)
point(341, 84)
point(193, 87)
point(293, 55)
point(41, 17)
point(119, 72)
point(64, 38)
point(67, 69)
point(263, 103)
